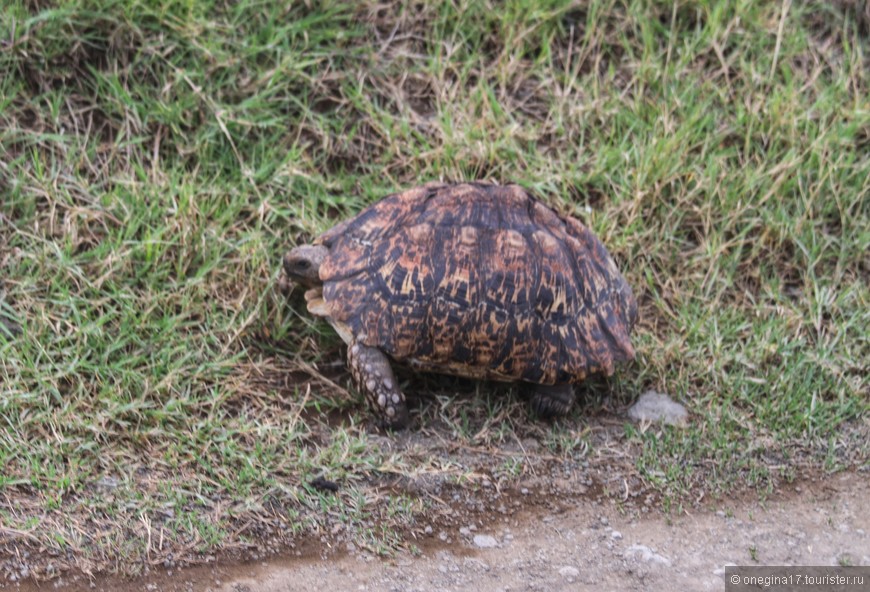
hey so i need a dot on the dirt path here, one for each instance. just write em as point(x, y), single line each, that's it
point(584, 547)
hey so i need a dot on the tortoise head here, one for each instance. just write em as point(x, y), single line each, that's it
point(302, 264)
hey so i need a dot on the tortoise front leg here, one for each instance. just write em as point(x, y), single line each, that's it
point(373, 377)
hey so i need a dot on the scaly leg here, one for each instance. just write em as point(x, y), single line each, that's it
point(373, 377)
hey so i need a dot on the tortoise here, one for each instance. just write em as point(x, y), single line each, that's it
point(471, 279)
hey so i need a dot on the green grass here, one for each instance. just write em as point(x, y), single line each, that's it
point(157, 158)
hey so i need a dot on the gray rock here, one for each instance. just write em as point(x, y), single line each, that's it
point(569, 572)
point(484, 541)
point(645, 554)
point(658, 408)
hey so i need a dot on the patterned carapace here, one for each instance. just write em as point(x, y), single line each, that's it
point(478, 280)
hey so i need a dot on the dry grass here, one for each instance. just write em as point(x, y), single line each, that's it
point(161, 401)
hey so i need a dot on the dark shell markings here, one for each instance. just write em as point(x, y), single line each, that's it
point(475, 280)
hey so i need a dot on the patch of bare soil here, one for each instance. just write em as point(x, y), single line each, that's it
point(592, 543)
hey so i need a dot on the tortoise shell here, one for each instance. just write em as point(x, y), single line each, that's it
point(478, 280)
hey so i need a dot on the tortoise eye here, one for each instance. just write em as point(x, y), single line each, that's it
point(303, 264)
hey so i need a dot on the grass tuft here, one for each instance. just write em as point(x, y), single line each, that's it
point(162, 401)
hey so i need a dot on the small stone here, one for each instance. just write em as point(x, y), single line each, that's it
point(616, 535)
point(658, 408)
point(569, 572)
point(604, 520)
point(484, 541)
point(465, 531)
point(428, 530)
point(646, 554)
point(442, 535)
point(524, 491)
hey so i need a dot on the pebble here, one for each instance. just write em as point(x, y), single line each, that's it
point(645, 554)
point(484, 541)
point(569, 572)
point(616, 535)
point(658, 408)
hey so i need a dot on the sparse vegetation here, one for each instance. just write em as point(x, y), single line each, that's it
point(162, 401)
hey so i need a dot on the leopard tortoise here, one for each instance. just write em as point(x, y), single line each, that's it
point(470, 279)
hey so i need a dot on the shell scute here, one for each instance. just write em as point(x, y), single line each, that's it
point(479, 280)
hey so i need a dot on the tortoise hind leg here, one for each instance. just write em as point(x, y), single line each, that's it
point(551, 401)
point(373, 377)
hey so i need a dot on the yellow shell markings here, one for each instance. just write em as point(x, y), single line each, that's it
point(406, 270)
point(553, 292)
point(459, 369)
point(459, 282)
point(480, 281)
